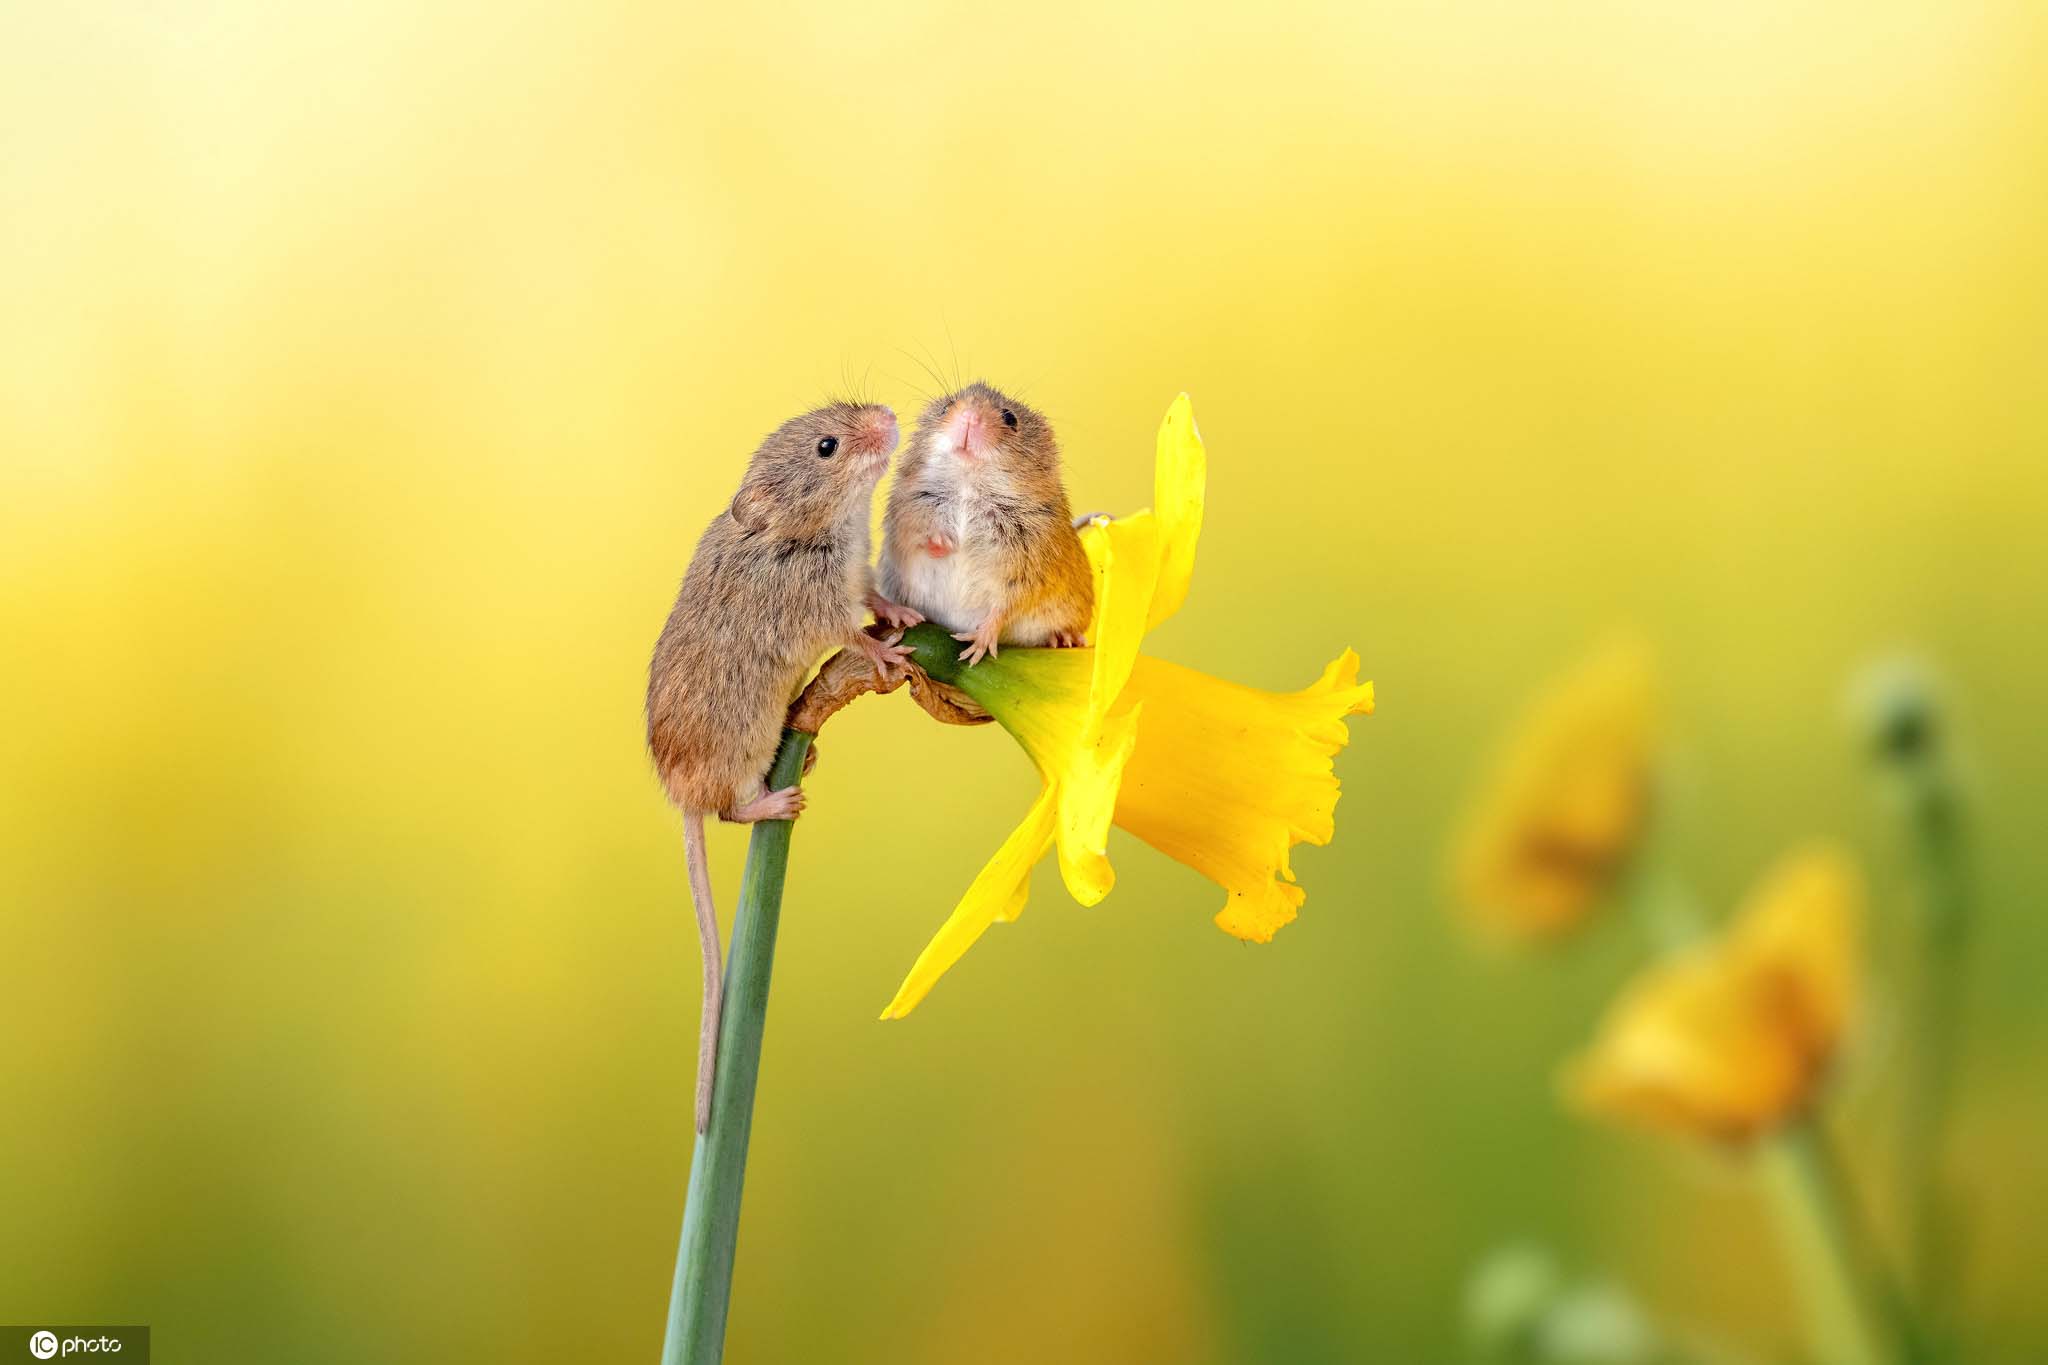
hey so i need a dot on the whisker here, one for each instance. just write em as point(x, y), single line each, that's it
point(955, 349)
point(916, 388)
point(930, 369)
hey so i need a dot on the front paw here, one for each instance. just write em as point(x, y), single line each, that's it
point(982, 642)
point(891, 661)
point(939, 544)
point(894, 615)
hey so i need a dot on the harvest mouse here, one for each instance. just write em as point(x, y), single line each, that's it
point(779, 577)
point(978, 536)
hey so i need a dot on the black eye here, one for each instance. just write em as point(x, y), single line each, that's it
point(1009, 418)
point(827, 446)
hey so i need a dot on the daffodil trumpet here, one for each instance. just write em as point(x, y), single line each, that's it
point(1223, 777)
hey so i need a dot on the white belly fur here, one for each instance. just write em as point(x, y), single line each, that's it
point(944, 587)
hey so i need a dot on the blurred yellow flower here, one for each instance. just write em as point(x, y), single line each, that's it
point(1224, 778)
point(1732, 1038)
point(1566, 805)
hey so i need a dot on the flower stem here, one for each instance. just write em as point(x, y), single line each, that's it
point(1944, 900)
point(935, 651)
point(1903, 716)
point(1665, 913)
point(1659, 902)
point(711, 1219)
point(1855, 1315)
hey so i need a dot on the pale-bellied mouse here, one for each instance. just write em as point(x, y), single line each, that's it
point(978, 535)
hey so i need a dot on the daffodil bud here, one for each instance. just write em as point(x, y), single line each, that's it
point(1896, 707)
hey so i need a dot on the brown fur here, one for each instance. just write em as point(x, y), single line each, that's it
point(1019, 558)
point(778, 579)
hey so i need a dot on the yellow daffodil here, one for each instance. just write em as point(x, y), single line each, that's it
point(1225, 778)
point(1732, 1038)
point(1567, 804)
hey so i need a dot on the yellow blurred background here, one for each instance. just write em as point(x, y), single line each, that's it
point(367, 372)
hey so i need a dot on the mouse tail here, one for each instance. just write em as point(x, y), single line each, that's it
point(714, 977)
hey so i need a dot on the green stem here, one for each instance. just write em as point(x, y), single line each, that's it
point(1665, 914)
point(1944, 902)
point(1855, 1316)
point(711, 1219)
point(936, 652)
point(1902, 708)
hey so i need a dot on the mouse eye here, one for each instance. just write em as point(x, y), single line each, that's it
point(1009, 418)
point(827, 446)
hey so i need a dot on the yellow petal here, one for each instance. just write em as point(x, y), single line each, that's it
point(1125, 557)
point(1227, 779)
point(1043, 698)
point(1734, 1037)
point(998, 893)
point(1687, 1050)
point(1143, 562)
point(1088, 785)
point(1133, 559)
point(1798, 933)
point(1180, 473)
point(1255, 915)
point(1567, 804)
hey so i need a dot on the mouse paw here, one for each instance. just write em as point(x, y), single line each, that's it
point(810, 759)
point(982, 642)
point(1066, 639)
point(939, 544)
point(786, 804)
point(891, 661)
point(894, 615)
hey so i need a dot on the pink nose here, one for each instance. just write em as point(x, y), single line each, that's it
point(965, 429)
point(875, 433)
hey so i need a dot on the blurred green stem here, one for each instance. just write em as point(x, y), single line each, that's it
point(1936, 826)
point(1660, 903)
point(711, 1219)
point(1855, 1316)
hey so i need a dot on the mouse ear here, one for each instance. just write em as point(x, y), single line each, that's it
point(750, 508)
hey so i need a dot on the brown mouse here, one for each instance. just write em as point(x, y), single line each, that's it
point(780, 577)
point(978, 535)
